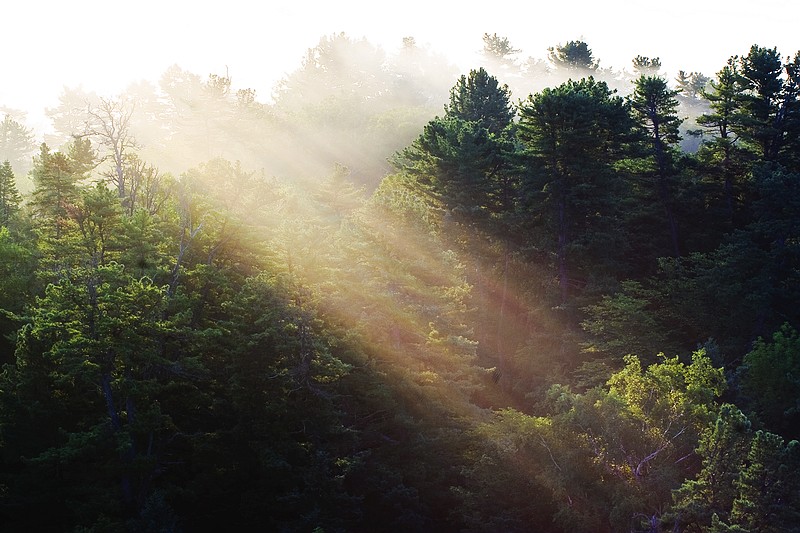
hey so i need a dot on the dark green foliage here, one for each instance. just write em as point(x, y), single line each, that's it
point(655, 108)
point(768, 488)
point(747, 482)
point(473, 343)
point(573, 136)
point(615, 323)
point(750, 274)
point(770, 382)
point(723, 156)
point(481, 99)
point(463, 156)
point(762, 127)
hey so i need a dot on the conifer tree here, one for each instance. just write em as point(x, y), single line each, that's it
point(9, 195)
point(573, 56)
point(722, 154)
point(763, 125)
point(723, 449)
point(16, 144)
point(655, 107)
point(573, 134)
point(56, 190)
point(480, 98)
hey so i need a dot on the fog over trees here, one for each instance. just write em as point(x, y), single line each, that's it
point(536, 295)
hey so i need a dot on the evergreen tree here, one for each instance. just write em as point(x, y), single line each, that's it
point(645, 66)
point(466, 159)
point(722, 156)
point(56, 190)
point(573, 135)
point(723, 449)
point(790, 155)
point(499, 53)
point(655, 107)
point(573, 56)
point(770, 382)
point(16, 145)
point(691, 84)
point(9, 195)
point(763, 102)
point(480, 98)
point(464, 155)
point(768, 488)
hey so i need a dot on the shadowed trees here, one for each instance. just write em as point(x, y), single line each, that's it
point(572, 137)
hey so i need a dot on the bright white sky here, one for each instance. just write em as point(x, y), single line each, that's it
point(103, 45)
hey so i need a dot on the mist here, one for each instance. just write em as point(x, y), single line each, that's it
point(348, 103)
point(404, 290)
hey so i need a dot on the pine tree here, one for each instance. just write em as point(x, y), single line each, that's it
point(769, 490)
point(55, 192)
point(10, 198)
point(762, 127)
point(655, 107)
point(722, 155)
point(723, 449)
point(573, 56)
point(16, 144)
point(480, 98)
point(573, 134)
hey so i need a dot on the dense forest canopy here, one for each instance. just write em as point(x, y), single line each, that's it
point(540, 295)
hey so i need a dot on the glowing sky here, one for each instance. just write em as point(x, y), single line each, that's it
point(104, 45)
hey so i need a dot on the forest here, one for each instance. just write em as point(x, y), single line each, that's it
point(537, 296)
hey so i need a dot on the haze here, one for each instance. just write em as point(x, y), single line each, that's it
point(400, 267)
point(103, 47)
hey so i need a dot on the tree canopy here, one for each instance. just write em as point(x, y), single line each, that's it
point(399, 298)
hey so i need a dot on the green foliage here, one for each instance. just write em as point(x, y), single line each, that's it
point(768, 489)
point(573, 56)
point(617, 321)
point(464, 155)
point(655, 107)
point(646, 66)
point(746, 483)
point(691, 85)
point(498, 47)
point(480, 98)
point(770, 381)
point(10, 198)
point(723, 156)
point(16, 145)
point(446, 348)
point(749, 274)
point(722, 447)
point(573, 135)
point(55, 190)
point(614, 452)
point(761, 70)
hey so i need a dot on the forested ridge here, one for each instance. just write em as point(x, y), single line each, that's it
point(540, 295)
